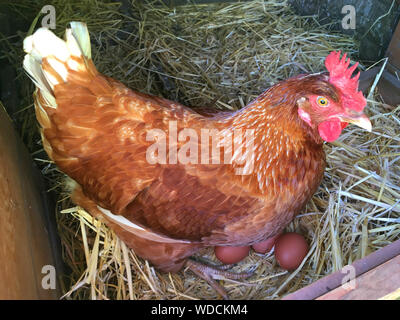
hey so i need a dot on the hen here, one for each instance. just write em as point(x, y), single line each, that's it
point(170, 181)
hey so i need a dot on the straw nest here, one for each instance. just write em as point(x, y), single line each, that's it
point(225, 55)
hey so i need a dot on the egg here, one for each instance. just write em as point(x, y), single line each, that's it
point(230, 255)
point(265, 246)
point(290, 250)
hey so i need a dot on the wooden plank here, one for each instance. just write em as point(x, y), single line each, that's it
point(24, 234)
point(367, 78)
point(379, 282)
point(389, 85)
point(392, 296)
point(334, 280)
point(389, 88)
point(393, 51)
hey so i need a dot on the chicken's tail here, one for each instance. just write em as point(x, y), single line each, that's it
point(50, 61)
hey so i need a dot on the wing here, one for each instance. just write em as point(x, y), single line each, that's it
point(98, 136)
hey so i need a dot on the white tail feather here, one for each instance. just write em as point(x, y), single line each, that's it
point(81, 34)
point(134, 228)
point(45, 44)
point(35, 72)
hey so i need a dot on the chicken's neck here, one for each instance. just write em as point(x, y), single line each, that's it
point(280, 123)
point(283, 146)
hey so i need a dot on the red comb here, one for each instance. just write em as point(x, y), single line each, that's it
point(340, 76)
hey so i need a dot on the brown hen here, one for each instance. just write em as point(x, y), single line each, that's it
point(170, 181)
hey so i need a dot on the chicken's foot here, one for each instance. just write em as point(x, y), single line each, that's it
point(209, 273)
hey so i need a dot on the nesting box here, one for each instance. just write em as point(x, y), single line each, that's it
point(222, 56)
point(28, 267)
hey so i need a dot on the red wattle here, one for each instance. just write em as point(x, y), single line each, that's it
point(330, 130)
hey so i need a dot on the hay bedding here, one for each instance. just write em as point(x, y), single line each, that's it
point(225, 55)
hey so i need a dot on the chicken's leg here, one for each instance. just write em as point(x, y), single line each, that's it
point(209, 273)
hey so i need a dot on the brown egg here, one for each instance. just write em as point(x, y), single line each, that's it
point(290, 250)
point(265, 246)
point(229, 255)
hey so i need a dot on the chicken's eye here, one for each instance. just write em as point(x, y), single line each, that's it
point(322, 101)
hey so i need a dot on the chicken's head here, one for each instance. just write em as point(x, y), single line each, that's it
point(334, 100)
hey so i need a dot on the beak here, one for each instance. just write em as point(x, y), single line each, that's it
point(359, 119)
